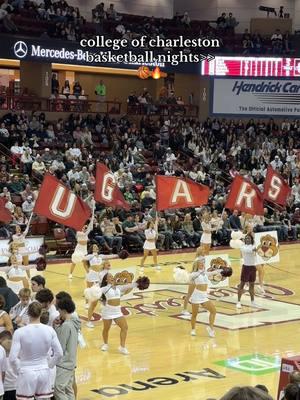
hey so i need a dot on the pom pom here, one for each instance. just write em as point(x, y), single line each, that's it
point(226, 272)
point(235, 243)
point(180, 275)
point(237, 235)
point(143, 282)
point(93, 293)
point(43, 249)
point(41, 264)
point(123, 254)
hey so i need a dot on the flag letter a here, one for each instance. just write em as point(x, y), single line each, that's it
point(181, 191)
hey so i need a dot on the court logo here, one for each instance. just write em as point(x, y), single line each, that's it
point(253, 364)
point(153, 383)
point(20, 49)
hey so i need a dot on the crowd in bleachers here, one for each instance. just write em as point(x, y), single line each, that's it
point(210, 152)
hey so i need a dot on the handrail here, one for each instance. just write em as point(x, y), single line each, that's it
point(60, 104)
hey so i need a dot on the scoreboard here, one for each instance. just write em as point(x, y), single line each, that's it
point(252, 66)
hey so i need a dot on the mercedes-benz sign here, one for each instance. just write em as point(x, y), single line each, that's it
point(20, 49)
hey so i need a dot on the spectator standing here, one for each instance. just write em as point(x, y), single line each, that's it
point(67, 333)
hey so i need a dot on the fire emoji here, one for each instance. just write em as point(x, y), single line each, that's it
point(156, 73)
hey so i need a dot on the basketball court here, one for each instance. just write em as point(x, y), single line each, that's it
point(165, 361)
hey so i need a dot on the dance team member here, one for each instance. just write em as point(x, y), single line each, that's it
point(97, 266)
point(199, 278)
point(29, 356)
point(191, 287)
point(208, 228)
point(248, 274)
point(151, 234)
point(94, 278)
point(16, 272)
point(18, 245)
point(82, 241)
point(111, 294)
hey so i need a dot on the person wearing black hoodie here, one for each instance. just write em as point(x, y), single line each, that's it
point(11, 299)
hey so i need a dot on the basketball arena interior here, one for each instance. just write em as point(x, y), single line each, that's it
point(149, 199)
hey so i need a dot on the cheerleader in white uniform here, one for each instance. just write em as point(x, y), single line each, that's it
point(16, 273)
point(18, 244)
point(98, 267)
point(149, 244)
point(94, 279)
point(208, 228)
point(82, 240)
point(199, 278)
point(110, 293)
point(191, 288)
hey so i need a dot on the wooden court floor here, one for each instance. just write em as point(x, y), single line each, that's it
point(165, 362)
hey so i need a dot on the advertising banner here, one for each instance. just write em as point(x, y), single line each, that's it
point(256, 97)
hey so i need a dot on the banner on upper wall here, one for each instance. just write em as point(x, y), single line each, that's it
point(256, 97)
point(49, 50)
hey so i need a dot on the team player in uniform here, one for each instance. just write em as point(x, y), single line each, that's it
point(29, 356)
point(151, 232)
point(199, 278)
point(81, 251)
point(248, 274)
point(111, 294)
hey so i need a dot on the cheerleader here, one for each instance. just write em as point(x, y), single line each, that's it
point(248, 274)
point(191, 288)
point(18, 244)
point(110, 293)
point(82, 240)
point(16, 272)
point(94, 279)
point(98, 267)
point(199, 278)
point(208, 228)
point(149, 244)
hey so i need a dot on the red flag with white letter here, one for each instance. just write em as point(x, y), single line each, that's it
point(60, 204)
point(5, 214)
point(245, 196)
point(174, 192)
point(276, 188)
point(106, 190)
